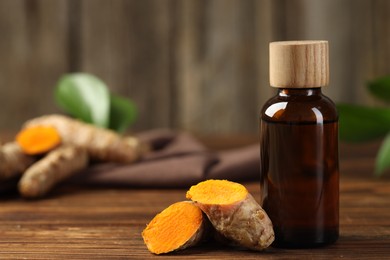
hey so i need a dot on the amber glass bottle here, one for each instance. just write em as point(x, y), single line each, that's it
point(299, 147)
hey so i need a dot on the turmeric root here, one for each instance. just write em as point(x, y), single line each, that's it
point(101, 144)
point(38, 139)
point(179, 226)
point(57, 165)
point(234, 213)
point(13, 162)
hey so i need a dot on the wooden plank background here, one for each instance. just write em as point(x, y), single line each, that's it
point(196, 65)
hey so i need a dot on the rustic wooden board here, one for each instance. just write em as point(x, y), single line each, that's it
point(106, 223)
point(77, 223)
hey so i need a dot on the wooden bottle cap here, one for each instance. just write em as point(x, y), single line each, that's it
point(299, 64)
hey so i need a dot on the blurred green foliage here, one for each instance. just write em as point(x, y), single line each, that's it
point(86, 97)
point(361, 123)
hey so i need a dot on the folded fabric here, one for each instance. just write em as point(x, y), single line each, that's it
point(177, 160)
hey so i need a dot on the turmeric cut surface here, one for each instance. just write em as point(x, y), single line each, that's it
point(220, 192)
point(177, 227)
point(38, 139)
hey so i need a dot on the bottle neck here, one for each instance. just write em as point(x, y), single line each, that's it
point(289, 92)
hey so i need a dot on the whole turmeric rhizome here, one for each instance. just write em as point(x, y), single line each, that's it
point(231, 210)
point(51, 148)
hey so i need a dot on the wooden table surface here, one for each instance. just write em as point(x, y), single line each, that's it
point(104, 223)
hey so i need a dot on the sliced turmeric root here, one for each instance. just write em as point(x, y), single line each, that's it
point(234, 213)
point(38, 139)
point(179, 226)
point(101, 144)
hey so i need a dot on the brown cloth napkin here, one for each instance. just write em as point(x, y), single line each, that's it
point(178, 160)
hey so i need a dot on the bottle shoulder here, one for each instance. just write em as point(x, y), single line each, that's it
point(309, 109)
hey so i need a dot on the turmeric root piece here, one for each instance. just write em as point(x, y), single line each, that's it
point(177, 227)
point(13, 162)
point(234, 213)
point(101, 144)
point(38, 139)
point(57, 165)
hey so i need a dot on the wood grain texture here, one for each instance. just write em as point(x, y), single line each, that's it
point(299, 64)
point(197, 65)
point(218, 68)
point(127, 43)
point(106, 223)
point(33, 56)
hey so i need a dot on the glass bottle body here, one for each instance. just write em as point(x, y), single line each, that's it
point(299, 167)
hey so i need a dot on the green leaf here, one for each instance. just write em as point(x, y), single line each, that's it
point(123, 113)
point(380, 88)
point(359, 123)
point(383, 157)
point(84, 96)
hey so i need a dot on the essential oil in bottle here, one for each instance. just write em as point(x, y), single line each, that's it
point(299, 147)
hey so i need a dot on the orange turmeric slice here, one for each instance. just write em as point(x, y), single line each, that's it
point(179, 226)
point(38, 139)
